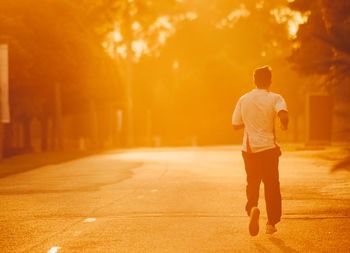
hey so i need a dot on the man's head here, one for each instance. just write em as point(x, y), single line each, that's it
point(262, 77)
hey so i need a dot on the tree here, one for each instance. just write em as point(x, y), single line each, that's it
point(323, 49)
point(323, 43)
point(58, 43)
point(135, 24)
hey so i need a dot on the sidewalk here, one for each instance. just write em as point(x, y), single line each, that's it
point(338, 153)
point(26, 162)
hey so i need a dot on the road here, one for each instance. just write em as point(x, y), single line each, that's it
point(171, 200)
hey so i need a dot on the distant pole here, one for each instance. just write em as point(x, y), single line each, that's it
point(129, 81)
point(4, 94)
point(1, 140)
point(119, 126)
point(149, 127)
point(94, 124)
point(58, 117)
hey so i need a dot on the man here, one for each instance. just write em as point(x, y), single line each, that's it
point(256, 112)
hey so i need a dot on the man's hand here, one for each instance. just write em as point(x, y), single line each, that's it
point(284, 119)
point(237, 127)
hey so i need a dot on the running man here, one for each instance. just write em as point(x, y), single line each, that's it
point(256, 112)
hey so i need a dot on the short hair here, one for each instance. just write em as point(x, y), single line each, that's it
point(263, 77)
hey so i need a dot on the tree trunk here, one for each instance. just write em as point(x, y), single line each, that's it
point(58, 117)
point(44, 134)
point(94, 125)
point(129, 76)
point(26, 134)
point(7, 144)
point(296, 128)
point(1, 140)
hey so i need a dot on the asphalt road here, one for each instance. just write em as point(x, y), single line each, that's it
point(170, 200)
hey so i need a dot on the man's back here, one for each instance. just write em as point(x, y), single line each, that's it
point(257, 110)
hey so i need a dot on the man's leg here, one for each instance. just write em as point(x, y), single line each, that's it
point(252, 168)
point(270, 178)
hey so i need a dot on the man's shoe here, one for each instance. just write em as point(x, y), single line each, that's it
point(270, 229)
point(254, 221)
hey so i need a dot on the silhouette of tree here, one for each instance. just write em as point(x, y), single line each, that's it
point(323, 43)
point(324, 49)
point(57, 42)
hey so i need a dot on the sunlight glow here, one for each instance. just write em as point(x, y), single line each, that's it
point(117, 36)
point(121, 50)
point(136, 26)
point(175, 65)
point(233, 17)
point(191, 15)
point(292, 18)
point(53, 249)
point(89, 220)
point(163, 27)
point(162, 22)
point(162, 37)
point(139, 47)
point(260, 4)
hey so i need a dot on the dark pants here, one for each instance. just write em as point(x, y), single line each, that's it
point(264, 166)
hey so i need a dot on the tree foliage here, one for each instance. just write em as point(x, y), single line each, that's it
point(323, 42)
point(59, 43)
point(56, 42)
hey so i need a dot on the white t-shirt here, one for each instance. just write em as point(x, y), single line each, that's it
point(257, 110)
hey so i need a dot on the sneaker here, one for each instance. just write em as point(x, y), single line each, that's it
point(254, 221)
point(270, 229)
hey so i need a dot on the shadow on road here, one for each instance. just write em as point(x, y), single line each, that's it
point(280, 244)
point(261, 248)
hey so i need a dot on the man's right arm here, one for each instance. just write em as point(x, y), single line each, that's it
point(237, 121)
point(237, 127)
point(284, 119)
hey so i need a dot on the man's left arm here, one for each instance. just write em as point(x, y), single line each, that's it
point(282, 112)
point(284, 119)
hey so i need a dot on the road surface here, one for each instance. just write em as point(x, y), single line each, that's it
point(171, 200)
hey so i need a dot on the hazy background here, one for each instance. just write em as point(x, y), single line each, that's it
point(88, 74)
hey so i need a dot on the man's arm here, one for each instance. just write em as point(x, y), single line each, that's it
point(284, 119)
point(237, 121)
point(237, 127)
